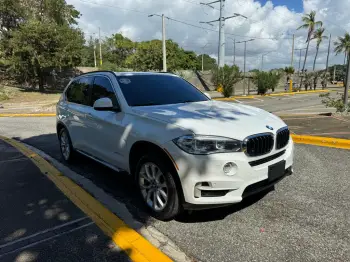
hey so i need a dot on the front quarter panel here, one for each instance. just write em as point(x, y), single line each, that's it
point(141, 128)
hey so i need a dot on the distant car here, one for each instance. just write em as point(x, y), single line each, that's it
point(185, 150)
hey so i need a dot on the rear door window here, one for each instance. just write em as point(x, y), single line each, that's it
point(102, 88)
point(79, 91)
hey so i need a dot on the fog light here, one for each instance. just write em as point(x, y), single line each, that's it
point(230, 169)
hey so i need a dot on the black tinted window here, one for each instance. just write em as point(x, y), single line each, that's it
point(143, 90)
point(102, 88)
point(78, 91)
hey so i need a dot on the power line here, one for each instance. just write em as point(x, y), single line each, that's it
point(180, 21)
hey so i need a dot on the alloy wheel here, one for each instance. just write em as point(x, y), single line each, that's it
point(65, 146)
point(153, 186)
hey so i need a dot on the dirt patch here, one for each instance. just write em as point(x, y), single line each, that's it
point(15, 100)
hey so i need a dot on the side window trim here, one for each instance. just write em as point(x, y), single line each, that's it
point(110, 82)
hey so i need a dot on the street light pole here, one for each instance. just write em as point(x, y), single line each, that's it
point(245, 56)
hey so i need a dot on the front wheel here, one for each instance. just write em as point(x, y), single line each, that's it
point(157, 187)
point(66, 147)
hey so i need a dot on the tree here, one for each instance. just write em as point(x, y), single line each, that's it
point(324, 79)
point(310, 24)
point(343, 46)
point(37, 45)
point(307, 81)
point(315, 77)
point(289, 70)
point(209, 63)
point(148, 56)
point(226, 77)
point(318, 35)
point(265, 81)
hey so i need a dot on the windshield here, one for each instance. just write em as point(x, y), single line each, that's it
point(147, 90)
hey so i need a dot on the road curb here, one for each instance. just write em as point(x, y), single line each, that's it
point(28, 115)
point(267, 95)
point(322, 141)
point(126, 238)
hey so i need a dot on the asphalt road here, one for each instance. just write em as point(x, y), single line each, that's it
point(305, 219)
point(296, 104)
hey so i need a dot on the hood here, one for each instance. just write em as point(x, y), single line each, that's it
point(215, 118)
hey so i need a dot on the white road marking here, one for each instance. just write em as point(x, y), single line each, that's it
point(47, 239)
point(42, 232)
point(240, 102)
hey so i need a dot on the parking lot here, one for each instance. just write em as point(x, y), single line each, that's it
point(288, 104)
point(306, 217)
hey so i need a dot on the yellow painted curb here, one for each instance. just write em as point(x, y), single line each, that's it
point(322, 141)
point(126, 238)
point(277, 94)
point(27, 115)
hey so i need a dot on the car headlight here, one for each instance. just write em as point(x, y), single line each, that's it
point(204, 145)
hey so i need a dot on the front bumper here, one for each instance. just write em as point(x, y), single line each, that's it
point(205, 183)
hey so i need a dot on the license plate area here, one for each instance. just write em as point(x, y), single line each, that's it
point(277, 170)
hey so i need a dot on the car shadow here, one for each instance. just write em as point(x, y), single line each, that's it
point(123, 188)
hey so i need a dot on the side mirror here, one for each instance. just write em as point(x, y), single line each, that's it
point(208, 95)
point(104, 104)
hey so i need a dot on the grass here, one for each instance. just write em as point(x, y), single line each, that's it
point(25, 101)
point(4, 94)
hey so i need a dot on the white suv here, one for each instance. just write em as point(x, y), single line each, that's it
point(185, 150)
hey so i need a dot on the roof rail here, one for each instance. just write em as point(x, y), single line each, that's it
point(98, 71)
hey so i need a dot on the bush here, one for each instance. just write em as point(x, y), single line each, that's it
point(337, 103)
point(226, 77)
point(110, 67)
point(265, 81)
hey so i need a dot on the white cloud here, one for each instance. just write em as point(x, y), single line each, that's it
point(272, 26)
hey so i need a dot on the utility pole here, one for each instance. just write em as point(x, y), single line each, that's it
point(346, 91)
point(94, 41)
point(99, 40)
point(299, 49)
point(163, 39)
point(329, 47)
point(164, 44)
point(95, 53)
point(292, 61)
point(334, 73)
point(202, 63)
point(221, 20)
point(234, 51)
point(245, 56)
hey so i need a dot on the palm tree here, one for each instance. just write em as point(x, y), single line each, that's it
point(318, 35)
point(343, 46)
point(310, 23)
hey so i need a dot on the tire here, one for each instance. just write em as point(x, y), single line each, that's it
point(63, 137)
point(172, 206)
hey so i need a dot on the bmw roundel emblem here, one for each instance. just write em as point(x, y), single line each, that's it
point(269, 127)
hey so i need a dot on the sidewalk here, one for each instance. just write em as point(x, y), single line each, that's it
point(39, 223)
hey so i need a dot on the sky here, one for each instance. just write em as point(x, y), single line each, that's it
point(270, 23)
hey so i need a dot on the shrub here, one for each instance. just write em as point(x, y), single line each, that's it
point(265, 81)
point(337, 103)
point(227, 77)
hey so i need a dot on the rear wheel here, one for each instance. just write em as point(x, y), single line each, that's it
point(157, 187)
point(66, 147)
